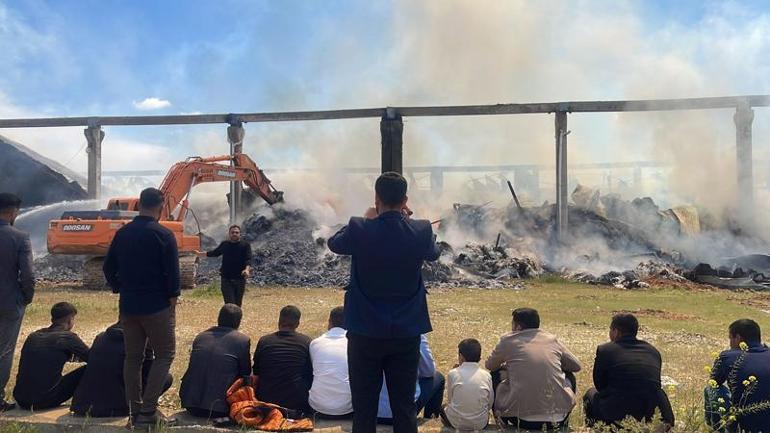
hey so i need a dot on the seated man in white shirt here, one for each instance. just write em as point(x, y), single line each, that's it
point(330, 393)
point(429, 392)
point(470, 393)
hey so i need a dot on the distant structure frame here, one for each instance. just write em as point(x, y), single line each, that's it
point(391, 129)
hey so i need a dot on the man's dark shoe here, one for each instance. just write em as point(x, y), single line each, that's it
point(6, 406)
point(155, 419)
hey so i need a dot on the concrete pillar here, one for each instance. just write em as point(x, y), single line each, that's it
point(392, 130)
point(562, 192)
point(743, 118)
point(94, 137)
point(235, 134)
point(436, 180)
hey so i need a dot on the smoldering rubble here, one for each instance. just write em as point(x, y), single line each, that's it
point(611, 242)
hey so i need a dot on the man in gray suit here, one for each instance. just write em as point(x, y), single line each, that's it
point(17, 286)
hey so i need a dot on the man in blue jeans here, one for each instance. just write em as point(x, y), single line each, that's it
point(386, 310)
point(740, 379)
point(17, 286)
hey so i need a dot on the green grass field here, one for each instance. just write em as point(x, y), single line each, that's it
point(686, 325)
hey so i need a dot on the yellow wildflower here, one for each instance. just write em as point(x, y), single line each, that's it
point(722, 410)
point(707, 369)
point(732, 418)
point(713, 383)
point(743, 346)
point(721, 400)
point(752, 378)
point(715, 355)
point(746, 383)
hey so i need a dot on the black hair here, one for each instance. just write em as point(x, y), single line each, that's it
point(626, 323)
point(230, 316)
point(527, 318)
point(747, 329)
point(9, 201)
point(62, 310)
point(234, 226)
point(289, 316)
point(337, 317)
point(390, 188)
point(150, 198)
point(470, 349)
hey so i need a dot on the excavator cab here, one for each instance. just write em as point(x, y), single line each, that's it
point(131, 204)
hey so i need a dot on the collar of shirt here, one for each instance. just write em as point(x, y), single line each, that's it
point(336, 332)
point(468, 365)
point(144, 218)
point(286, 332)
point(391, 214)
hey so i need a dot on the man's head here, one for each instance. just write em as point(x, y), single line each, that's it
point(469, 350)
point(151, 202)
point(63, 313)
point(525, 318)
point(623, 325)
point(9, 207)
point(230, 316)
point(745, 331)
point(337, 318)
point(288, 319)
point(234, 233)
point(390, 192)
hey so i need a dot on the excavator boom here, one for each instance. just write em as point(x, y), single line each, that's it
point(91, 232)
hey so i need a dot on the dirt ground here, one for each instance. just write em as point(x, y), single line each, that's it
point(686, 325)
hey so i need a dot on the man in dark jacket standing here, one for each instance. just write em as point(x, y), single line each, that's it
point(101, 392)
point(626, 378)
point(39, 383)
point(236, 265)
point(142, 265)
point(17, 286)
point(386, 310)
point(219, 356)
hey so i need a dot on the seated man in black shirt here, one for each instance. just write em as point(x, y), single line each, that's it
point(282, 364)
point(236, 265)
point(102, 392)
point(626, 378)
point(39, 383)
point(219, 356)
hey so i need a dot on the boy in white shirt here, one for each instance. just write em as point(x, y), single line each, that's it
point(470, 394)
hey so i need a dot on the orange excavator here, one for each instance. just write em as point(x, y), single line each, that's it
point(90, 232)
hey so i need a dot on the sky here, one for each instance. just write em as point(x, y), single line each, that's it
point(83, 58)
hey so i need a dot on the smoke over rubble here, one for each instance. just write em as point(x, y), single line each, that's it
point(488, 52)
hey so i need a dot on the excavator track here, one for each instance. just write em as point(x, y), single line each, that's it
point(93, 276)
point(188, 268)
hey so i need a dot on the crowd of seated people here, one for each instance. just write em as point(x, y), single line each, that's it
point(528, 380)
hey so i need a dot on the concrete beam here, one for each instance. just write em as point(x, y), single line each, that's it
point(392, 130)
point(562, 179)
point(743, 118)
point(235, 134)
point(94, 136)
point(358, 113)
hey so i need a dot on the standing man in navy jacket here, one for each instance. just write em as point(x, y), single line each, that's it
point(385, 306)
point(142, 265)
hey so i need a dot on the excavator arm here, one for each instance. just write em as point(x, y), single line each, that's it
point(183, 176)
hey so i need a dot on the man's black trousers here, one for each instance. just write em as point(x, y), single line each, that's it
point(370, 358)
point(233, 290)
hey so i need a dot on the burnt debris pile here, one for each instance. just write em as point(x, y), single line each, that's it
point(288, 250)
point(611, 242)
